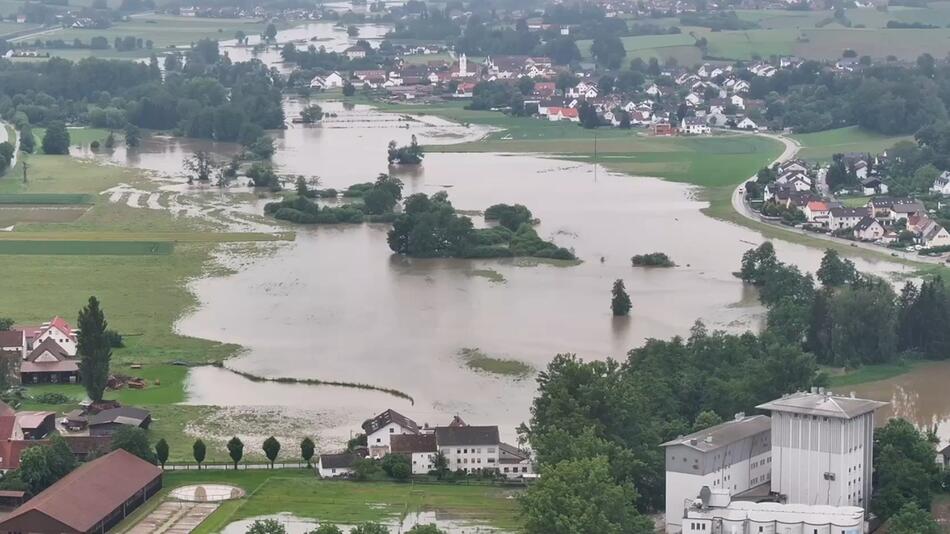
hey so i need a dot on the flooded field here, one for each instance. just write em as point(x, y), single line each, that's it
point(336, 305)
point(919, 396)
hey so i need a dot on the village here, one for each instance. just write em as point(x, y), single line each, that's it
point(797, 193)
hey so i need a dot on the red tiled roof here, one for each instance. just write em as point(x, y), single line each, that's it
point(83, 498)
point(61, 324)
point(11, 338)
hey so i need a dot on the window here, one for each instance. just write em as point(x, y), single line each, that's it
point(379, 440)
point(391, 430)
point(524, 469)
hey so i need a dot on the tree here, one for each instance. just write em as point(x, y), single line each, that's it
point(326, 528)
point(393, 465)
point(430, 528)
point(133, 136)
point(271, 447)
point(41, 467)
point(94, 349)
point(904, 468)
point(311, 113)
point(620, 300)
point(161, 452)
point(235, 450)
point(201, 166)
point(110, 141)
point(910, 519)
point(306, 450)
point(608, 51)
point(348, 89)
point(369, 528)
point(56, 139)
point(364, 468)
point(27, 141)
point(575, 496)
point(440, 464)
point(864, 324)
point(134, 440)
point(6, 324)
point(270, 32)
point(266, 526)
point(706, 419)
point(199, 450)
point(835, 271)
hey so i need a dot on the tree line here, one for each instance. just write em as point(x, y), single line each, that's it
point(849, 318)
point(201, 95)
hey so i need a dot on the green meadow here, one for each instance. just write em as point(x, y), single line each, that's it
point(821, 146)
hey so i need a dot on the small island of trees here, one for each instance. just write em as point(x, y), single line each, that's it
point(378, 200)
point(653, 259)
point(430, 227)
point(411, 154)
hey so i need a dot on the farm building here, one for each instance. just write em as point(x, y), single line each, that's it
point(93, 498)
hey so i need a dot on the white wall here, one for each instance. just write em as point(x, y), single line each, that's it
point(380, 438)
point(470, 458)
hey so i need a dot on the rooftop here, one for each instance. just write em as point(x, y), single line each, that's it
point(408, 443)
point(81, 499)
point(786, 514)
point(822, 403)
point(723, 434)
point(466, 435)
point(389, 416)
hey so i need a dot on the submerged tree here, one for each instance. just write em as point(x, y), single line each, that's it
point(620, 302)
point(94, 349)
point(406, 155)
point(201, 166)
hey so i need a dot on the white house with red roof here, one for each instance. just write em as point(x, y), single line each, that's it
point(60, 332)
point(563, 114)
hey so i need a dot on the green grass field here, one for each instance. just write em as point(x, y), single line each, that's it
point(86, 248)
point(821, 146)
point(163, 30)
point(45, 198)
point(302, 494)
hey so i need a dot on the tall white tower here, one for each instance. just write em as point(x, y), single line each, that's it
point(463, 65)
point(822, 448)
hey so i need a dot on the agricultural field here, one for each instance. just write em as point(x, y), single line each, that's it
point(821, 146)
point(164, 31)
point(299, 492)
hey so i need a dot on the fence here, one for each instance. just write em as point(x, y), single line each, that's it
point(221, 466)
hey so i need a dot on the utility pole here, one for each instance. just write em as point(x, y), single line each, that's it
point(24, 169)
point(595, 154)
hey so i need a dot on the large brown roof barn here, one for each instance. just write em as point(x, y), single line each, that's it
point(93, 498)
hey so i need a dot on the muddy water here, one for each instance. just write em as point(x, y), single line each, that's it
point(920, 396)
point(318, 34)
point(337, 305)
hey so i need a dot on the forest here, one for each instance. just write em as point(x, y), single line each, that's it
point(203, 94)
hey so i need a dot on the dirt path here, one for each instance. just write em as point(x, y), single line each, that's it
point(173, 517)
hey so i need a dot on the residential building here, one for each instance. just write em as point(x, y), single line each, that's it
point(822, 448)
point(59, 331)
point(381, 428)
point(93, 498)
point(355, 52)
point(942, 184)
point(734, 456)
point(331, 81)
point(336, 465)
point(420, 449)
point(514, 462)
point(817, 212)
point(13, 344)
point(890, 210)
point(868, 229)
point(469, 448)
point(48, 362)
point(107, 422)
point(843, 218)
point(715, 512)
point(747, 124)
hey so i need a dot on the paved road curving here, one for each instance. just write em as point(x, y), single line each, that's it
point(792, 147)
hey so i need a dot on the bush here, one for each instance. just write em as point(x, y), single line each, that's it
point(51, 398)
point(654, 259)
point(509, 216)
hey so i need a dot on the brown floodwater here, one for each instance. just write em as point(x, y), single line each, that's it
point(336, 304)
point(920, 396)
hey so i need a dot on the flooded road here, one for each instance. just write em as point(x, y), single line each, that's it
point(336, 304)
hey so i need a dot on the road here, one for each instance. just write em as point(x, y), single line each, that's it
point(741, 206)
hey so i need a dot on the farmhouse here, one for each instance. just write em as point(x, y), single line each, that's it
point(380, 429)
point(694, 126)
point(93, 498)
point(49, 363)
point(336, 465)
point(420, 449)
